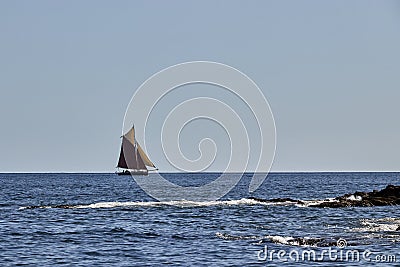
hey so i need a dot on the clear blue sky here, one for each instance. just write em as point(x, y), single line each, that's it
point(330, 70)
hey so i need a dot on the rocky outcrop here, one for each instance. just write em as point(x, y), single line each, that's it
point(386, 197)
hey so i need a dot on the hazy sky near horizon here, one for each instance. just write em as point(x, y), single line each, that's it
point(329, 69)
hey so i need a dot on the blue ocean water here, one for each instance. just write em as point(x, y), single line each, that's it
point(107, 220)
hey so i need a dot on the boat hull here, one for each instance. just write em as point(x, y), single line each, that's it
point(134, 172)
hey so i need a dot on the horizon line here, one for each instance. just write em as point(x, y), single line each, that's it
point(272, 172)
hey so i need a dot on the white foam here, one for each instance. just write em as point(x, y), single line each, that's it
point(232, 237)
point(378, 225)
point(38, 207)
point(283, 240)
point(181, 203)
point(116, 204)
point(387, 219)
point(273, 238)
point(354, 198)
point(307, 203)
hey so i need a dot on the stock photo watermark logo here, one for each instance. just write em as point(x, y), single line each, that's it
point(340, 253)
point(223, 77)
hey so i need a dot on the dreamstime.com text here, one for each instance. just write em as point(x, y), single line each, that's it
point(329, 254)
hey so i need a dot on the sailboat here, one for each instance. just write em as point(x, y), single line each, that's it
point(132, 157)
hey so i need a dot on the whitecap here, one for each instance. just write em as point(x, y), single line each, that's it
point(378, 225)
point(180, 203)
point(354, 198)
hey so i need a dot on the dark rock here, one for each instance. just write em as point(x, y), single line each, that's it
point(388, 196)
point(277, 200)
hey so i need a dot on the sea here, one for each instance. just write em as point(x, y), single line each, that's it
point(101, 219)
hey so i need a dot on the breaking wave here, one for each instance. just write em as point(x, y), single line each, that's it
point(379, 225)
point(384, 229)
point(186, 203)
point(283, 240)
point(181, 203)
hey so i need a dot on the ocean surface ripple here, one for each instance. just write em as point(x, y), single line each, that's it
point(107, 220)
